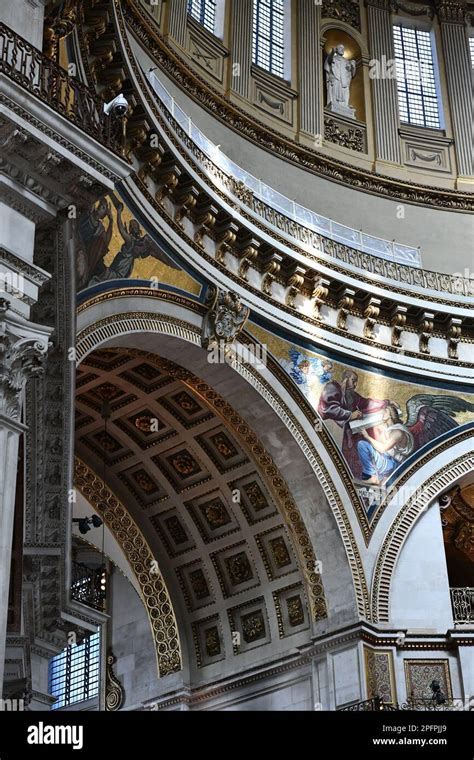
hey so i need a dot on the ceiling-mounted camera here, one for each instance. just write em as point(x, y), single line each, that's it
point(117, 107)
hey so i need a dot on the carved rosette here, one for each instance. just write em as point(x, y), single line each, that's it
point(20, 359)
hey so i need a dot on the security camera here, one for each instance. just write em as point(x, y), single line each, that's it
point(117, 107)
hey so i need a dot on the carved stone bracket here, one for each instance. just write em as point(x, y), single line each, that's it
point(226, 235)
point(454, 336)
point(225, 319)
point(346, 303)
point(186, 198)
point(371, 314)
point(271, 268)
point(295, 283)
point(248, 254)
point(205, 218)
point(425, 328)
point(320, 294)
point(398, 322)
point(168, 177)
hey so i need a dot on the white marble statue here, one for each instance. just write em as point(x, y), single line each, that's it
point(340, 72)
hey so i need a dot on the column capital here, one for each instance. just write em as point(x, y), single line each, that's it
point(451, 11)
point(23, 346)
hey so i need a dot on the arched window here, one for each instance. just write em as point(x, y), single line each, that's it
point(204, 12)
point(418, 99)
point(74, 673)
point(269, 38)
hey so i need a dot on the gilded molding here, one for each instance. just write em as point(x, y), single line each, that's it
point(140, 557)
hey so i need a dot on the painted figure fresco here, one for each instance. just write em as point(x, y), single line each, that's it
point(372, 432)
point(306, 370)
point(94, 234)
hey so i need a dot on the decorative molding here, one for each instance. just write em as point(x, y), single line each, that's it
point(413, 9)
point(451, 11)
point(114, 692)
point(337, 131)
point(155, 595)
point(225, 318)
point(347, 11)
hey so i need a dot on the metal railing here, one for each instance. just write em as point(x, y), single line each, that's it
point(85, 586)
point(375, 704)
point(308, 219)
point(46, 80)
point(462, 601)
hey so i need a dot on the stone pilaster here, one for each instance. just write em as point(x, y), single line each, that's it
point(384, 89)
point(177, 21)
point(23, 346)
point(452, 17)
point(310, 66)
point(241, 48)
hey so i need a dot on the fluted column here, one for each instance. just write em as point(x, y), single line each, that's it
point(384, 89)
point(310, 66)
point(22, 348)
point(177, 20)
point(241, 47)
point(452, 17)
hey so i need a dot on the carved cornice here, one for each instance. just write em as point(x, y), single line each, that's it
point(237, 119)
point(140, 557)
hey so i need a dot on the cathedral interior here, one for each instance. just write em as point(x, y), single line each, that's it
point(236, 355)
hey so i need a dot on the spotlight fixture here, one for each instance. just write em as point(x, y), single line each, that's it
point(85, 523)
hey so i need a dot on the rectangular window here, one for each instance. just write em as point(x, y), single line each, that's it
point(416, 80)
point(204, 12)
point(74, 673)
point(471, 48)
point(268, 39)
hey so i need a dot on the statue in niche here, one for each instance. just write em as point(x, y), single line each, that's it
point(340, 72)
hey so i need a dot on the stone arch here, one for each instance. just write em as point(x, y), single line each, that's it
point(115, 329)
point(436, 479)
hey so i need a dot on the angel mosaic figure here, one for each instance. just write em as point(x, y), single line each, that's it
point(428, 417)
point(306, 370)
point(135, 246)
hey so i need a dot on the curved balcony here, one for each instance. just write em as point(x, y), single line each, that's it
point(43, 78)
point(304, 217)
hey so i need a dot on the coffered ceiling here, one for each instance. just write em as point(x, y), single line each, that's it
point(201, 500)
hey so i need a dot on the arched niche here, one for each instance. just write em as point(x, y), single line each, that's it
point(333, 36)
